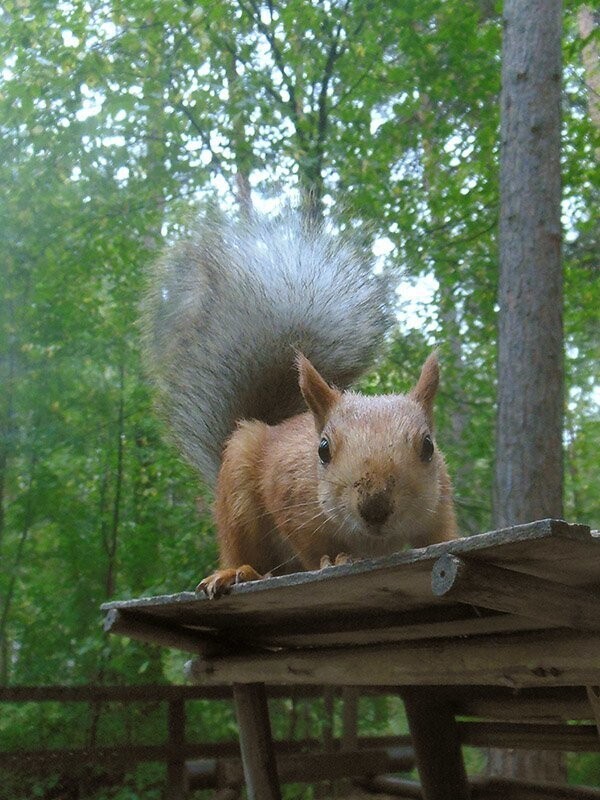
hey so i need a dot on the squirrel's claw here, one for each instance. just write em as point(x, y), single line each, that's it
point(216, 584)
point(341, 558)
point(221, 581)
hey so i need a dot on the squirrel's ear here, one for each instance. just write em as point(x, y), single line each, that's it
point(319, 395)
point(427, 385)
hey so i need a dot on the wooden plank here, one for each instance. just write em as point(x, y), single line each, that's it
point(486, 789)
point(123, 754)
point(475, 624)
point(492, 702)
point(543, 542)
point(258, 754)
point(499, 589)
point(546, 704)
point(127, 754)
point(549, 658)
point(148, 692)
point(500, 789)
point(308, 767)
point(151, 631)
point(374, 594)
point(437, 747)
point(570, 738)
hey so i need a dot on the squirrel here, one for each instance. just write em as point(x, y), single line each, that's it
point(253, 332)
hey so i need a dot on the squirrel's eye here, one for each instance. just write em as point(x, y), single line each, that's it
point(324, 451)
point(427, 448)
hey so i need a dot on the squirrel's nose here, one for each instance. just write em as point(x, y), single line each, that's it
point(375, 508)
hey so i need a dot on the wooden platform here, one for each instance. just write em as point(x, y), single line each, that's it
point(517, 608)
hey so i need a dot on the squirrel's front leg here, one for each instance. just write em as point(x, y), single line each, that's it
point(242, 525)
point(221, 581)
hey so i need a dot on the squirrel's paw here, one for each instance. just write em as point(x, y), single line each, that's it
point(341, 558)
point(221, 581)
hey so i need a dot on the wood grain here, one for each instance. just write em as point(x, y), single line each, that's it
point(383, 600)
point(552, 658)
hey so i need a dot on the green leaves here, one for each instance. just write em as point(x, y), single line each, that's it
point(117, 120)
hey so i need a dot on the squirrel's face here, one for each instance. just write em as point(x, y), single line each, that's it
point(379, 469)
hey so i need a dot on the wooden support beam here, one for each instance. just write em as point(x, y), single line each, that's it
point(474, 625)
point(547, 704)
point(500, 589)
point(127, 754)
point(547, 658)
point(310, 767)
point(176, 774)
point(501, 789)
point(518, 735)
point(486, 789)
point(350, 697)
point(437, 746)
point(258, 753)
point(128, 624)
point(328, 718)
point(593, 693)
point(148, 692)
point(305, 767)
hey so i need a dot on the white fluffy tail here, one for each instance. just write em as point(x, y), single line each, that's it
point(229, 307)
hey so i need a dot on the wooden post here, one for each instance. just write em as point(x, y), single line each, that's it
point(593, 693)
point(324, 789)
point(176, 779)
point(437, 746)
point(350, 698)
point(258, 754)
point(329, 714)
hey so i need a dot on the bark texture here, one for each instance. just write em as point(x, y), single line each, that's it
point(529, 465)
point(588, 20)
point(529, 457)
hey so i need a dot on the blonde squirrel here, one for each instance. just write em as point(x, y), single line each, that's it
point(247, 324)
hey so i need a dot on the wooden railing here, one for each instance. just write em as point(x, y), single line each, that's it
point(487, 719)
point(195, 765)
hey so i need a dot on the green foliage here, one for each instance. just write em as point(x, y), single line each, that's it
point(117, 120)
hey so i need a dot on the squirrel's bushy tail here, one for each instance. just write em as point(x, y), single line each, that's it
point(226, 310)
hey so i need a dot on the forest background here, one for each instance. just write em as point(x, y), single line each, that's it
point(119, 121)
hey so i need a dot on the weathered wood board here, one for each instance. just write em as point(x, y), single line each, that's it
point(450, 625)
point(516, 660)
point(383, 600)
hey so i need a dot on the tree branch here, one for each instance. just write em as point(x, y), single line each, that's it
point(205, 139)
point(254, 15)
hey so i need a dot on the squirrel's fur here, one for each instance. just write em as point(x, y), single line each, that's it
point(246, 325)
point(228, 307)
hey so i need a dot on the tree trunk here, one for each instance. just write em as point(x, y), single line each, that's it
point(529, 457)
point(587, 20)
point(7, 599)
point(530, 346)
point(242, 149)
point(113, 533)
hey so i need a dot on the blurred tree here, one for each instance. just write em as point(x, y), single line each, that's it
point(117, 121)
